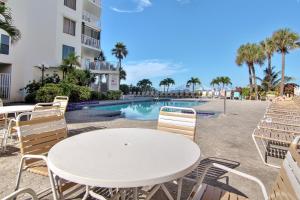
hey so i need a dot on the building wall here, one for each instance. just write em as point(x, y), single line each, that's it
point(41, 26)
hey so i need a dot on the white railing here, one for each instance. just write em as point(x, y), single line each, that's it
point(5, 85)
point(87, 40)
point(88, 17)
point(97, 2)
point(101, 66)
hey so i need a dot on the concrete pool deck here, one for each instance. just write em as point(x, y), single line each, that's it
point(225, 139)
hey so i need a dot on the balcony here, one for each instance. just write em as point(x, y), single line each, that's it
point(89, 41)
point(101, 66)
point(90, 18)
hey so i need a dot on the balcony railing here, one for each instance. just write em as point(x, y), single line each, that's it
point(101, 66)
point(97, 2)
point(88, 17)
point(89, 41)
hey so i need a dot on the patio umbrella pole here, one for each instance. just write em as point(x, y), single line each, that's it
point(225, 102)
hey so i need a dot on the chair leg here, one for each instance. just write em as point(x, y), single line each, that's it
point(52, 183)
point(19, 174)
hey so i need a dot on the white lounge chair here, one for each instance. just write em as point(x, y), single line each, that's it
point(286, 186)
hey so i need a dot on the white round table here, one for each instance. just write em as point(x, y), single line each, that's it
point(16, 109)
point(124, 158)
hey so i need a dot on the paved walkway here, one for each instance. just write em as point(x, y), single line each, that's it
point(225, 139)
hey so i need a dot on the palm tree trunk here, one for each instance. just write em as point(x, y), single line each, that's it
point(282, 73)
point(193, 87)
point(250, 78)
point(269, 75)
point(164, 88)
point(254, 82)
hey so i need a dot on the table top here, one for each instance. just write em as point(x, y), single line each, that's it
point(124, 158)
point(16, 109)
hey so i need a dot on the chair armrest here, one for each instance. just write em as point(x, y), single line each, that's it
point(244, 175)
point(42, 157)
point(21, 191)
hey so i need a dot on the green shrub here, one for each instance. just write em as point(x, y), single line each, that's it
point(95, 95)
point(48, 92)
point(30, 97)
point(113, 95)
point(79, 93)
point(245, 92)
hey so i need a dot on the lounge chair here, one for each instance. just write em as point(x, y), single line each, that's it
point(286, 186)
point(178, 120)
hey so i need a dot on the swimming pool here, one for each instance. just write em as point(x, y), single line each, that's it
point(145, 110)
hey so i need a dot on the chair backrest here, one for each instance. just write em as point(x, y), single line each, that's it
point(287, 185)
point(40, 132)
point(178, 120)
point(63, 100)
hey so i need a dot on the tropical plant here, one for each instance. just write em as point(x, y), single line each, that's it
point(120, 52)
point(222, 80)
point(163, 83)
point(285, 40)
point(169, 82)
point(214, 82)
point(6, 23)
point(144, 84)
point(268, 46)
point(125, 89)
point(271, 79)
point(68, 64)
point(193, 82)
point(81, 77)
point(122, 74)
point(251, 54)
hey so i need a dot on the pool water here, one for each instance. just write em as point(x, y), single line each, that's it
point(146, 110)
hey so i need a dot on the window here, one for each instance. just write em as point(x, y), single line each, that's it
point(66, 51)
point(70, 3)
point(69, 26)
point(4, 48)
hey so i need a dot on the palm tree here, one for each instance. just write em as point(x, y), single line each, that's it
point(224, 80)
point(271, 79)
point(163, 83)
point(268, 46)
point(214, 82)
point(193, 81)
point(169, 82)
point(251, 54)
point(120, 52)
point(123, 74)
point(69, 63)
point(144, 84)
point(6, 23)
point(285, 40)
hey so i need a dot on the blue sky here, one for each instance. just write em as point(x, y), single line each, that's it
point(184, 38)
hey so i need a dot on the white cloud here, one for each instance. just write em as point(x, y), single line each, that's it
point(140, 6)
point(151, 69)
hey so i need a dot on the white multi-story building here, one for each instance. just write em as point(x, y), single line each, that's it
point(51, 29)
